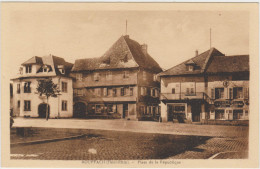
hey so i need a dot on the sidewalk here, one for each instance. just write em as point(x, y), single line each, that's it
point(137, 126)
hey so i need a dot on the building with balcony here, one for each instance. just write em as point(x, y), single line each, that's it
point(208, 87)
point(27, 103)
point(119, 84)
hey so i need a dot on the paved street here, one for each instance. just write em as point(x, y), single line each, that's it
point(123, 140)
point(137, 126)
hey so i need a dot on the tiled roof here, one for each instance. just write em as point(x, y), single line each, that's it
point(33, 60)
point(52, 62)
point(124, 53)
point(210, 61)
point(239, 63)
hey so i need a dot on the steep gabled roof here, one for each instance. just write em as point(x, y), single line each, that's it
point(33, 60)
point(238, 63)
point(124, 53)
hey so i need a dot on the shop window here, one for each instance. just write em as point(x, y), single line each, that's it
point(219, 114)
point(64, 105)
point(96, 77)
point(238, 92)
point(18, 88)
point(142, 110)
point(28, 69)
point(110, 108)
point(98, 109)
point(79, 76)
point(27, 87)
point(238, 114)
point(27, 105)
point(219, 93)
point(64, 87)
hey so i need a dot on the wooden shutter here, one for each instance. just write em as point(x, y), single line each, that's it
point(213, 93)
point(246, 92)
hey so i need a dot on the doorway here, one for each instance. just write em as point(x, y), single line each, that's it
point(79, 110)
point(195, 110)
point(125, 110)
point(42, 110)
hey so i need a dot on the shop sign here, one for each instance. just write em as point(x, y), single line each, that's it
point(238, 103)
point(225, 103)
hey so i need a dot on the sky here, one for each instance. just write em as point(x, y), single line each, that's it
point(172, 36)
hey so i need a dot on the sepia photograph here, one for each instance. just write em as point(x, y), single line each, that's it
point(129, 84)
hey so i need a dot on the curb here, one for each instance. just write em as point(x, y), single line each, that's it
point(46, 141)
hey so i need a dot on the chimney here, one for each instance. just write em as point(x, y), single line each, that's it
point(144, 48)
point(196, 53)
point(127, 36)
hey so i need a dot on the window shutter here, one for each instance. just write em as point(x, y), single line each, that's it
point(142, 91)
point(246, 92)
point(213, 93)
point(230, 93)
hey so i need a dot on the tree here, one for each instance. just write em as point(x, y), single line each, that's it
point(48, 89)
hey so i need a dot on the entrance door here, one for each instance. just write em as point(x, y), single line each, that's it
point(125, 110)
point(79, 110)
point(42, 110)
point(195, 110)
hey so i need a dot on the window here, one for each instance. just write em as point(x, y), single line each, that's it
point(45, 69)
point(79, 76)
point(27, 105)
point(62, 71)
point(237, 114)
point(96, 76)
point(122, 91)
point(108, 75)
point(79, 92)
point(173, 90)
point(219, 114)
point(142, 110)
point(246, 112)
point(153, 92)
point(64, 86)
point(114, 92)
point(109, 92)
point(144, 75)
point(131, 91)
point(230, 93)
point(238, 92)
point(27, 87)
point(98, 91)
point(64, 105)
point(18, 104)
point(190, 68)
point(148, 91)
point(109, 108)
point(98, 109)
point(125, 74)
point(18, 88)
point(155, 78)
point(28, 69)
point(219, 93)
point(105, 92)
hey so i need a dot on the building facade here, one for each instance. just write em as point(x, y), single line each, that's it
point(119, 84)
point(27, 103)
point(209, 87)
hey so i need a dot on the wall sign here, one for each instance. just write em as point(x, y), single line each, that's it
point(228, 103)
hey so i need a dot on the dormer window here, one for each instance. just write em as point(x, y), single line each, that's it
point(190, 68)
point(45, 69)
point(61, 69)
point(190, 65)
point(28, 69)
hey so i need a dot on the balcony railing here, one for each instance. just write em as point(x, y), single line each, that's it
point(184, 96)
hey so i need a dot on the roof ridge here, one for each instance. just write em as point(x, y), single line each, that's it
point(130, 49)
